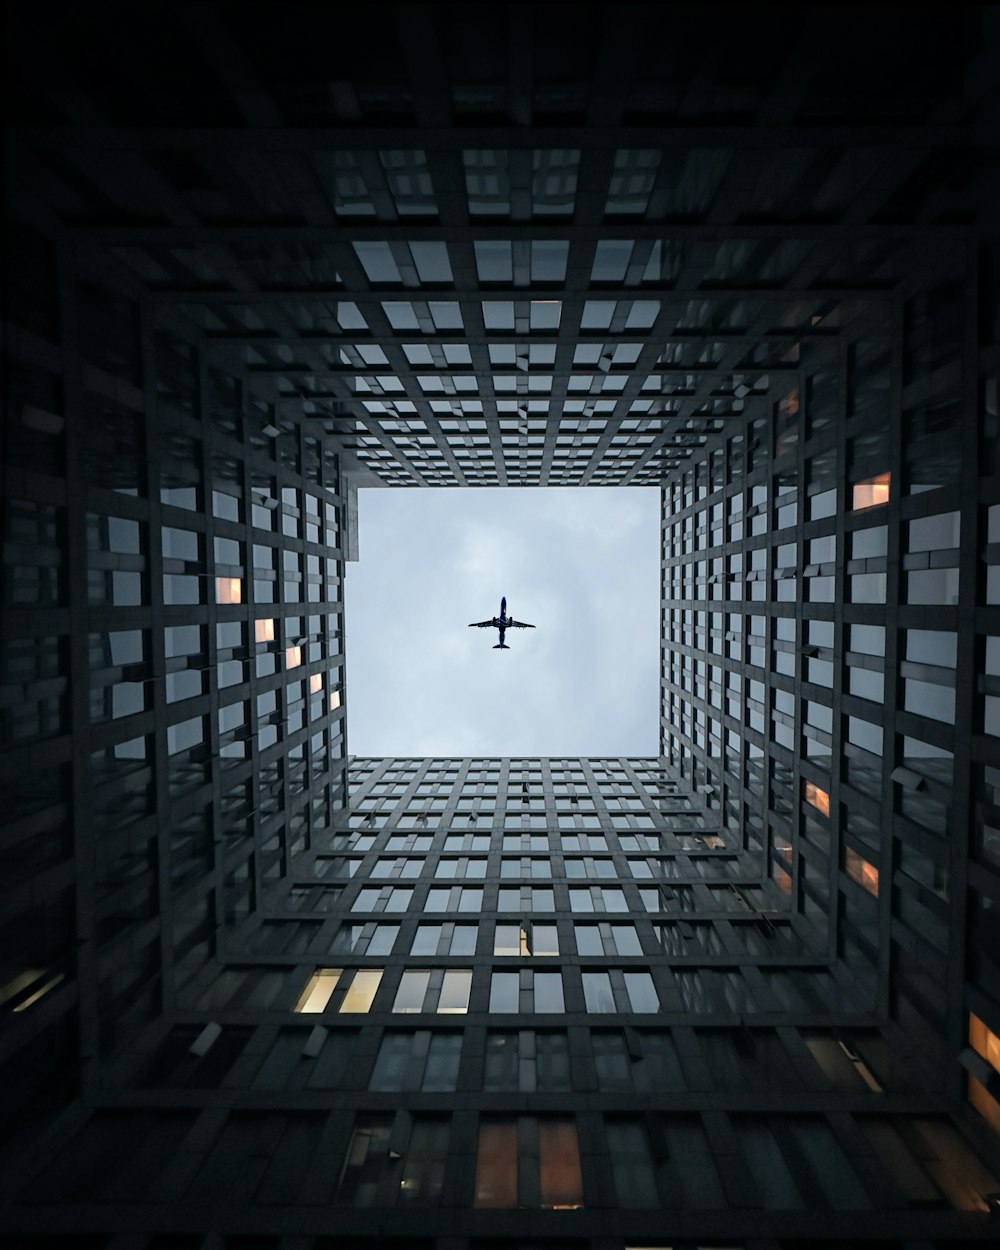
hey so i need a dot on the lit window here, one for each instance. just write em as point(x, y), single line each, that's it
point(984, 1041)
point(334, 700)
point(859, 870)
point(293, 657)
point(817, 797)
point(986, 1044)
point(315, 683)
point(264, 630)
point(228, 590)
point(361, 991)
point(871, 493)
point(505, 1166)
point(319, 987)
point(496, 1165)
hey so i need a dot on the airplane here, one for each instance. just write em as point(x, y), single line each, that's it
point(503, 622)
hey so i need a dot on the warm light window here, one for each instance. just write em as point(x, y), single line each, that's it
point(334, 700)
point(559, 1158)
point(984, 1041)
point(871, 493)
point(293, 657)
point(362, 990)
point(504, 1165)
point(315, 683)
point(228, 590)
point(22, 982)
point(859, 870)
point(496, 1165)
point(782, 879)
point(264, 630)
point(817, 797)
point(319, 987)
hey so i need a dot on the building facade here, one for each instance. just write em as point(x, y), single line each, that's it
point(256, 994)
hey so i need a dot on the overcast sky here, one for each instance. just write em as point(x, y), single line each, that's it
point(580, 563)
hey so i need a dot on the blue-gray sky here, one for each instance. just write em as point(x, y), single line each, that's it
point(580, 563)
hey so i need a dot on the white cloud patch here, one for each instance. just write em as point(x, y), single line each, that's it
point(580, 564)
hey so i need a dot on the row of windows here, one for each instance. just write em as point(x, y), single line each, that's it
point(764, 937)
point(534, 868)
point(521, 1060)
point(723, 989)
point(674, 1162)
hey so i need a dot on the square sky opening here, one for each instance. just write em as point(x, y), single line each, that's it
point(581, 564)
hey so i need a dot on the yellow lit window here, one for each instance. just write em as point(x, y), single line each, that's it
point(871, 493)
point(264, 629)
point(859, 870)
point(817, 797)
point(984, 1041)
point(319, 987)
point(293, 657)
point(315, 683)
point(334, 700)
point(23, 981)
point(228, 590)
point(362, 990)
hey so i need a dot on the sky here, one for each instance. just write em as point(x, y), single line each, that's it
point(581, 564)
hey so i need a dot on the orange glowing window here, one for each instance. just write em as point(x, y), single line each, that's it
point(228, 590)
point(559, 1165)
point(293, 657)
point(789, 406)
point(334, 700)
point(782, 879)
point(496, 1165)
point(871, 493)
point(315, 683)
point(264, 630)
point(859, 870)
point(817, 797)
point(984, 1041)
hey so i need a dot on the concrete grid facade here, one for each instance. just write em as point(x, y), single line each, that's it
point(256, 993)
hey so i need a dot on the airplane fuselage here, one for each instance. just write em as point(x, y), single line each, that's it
point(503, 622)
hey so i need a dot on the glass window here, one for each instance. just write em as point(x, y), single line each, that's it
point(528, 1162)
point(412, 991)
point(455, 989)
point(597, 992)
point(361, 991)
point(504, 988)
point(318, 990)
point(871, 493)
point(631, 1165)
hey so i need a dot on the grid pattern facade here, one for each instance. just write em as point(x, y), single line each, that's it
point(258, 995)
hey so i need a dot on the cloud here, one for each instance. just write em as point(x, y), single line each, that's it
point(581, 564)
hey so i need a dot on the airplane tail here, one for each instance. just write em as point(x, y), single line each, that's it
point(500, 646)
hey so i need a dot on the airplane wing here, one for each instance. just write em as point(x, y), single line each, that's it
point(481, 625)
point(519, 625)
